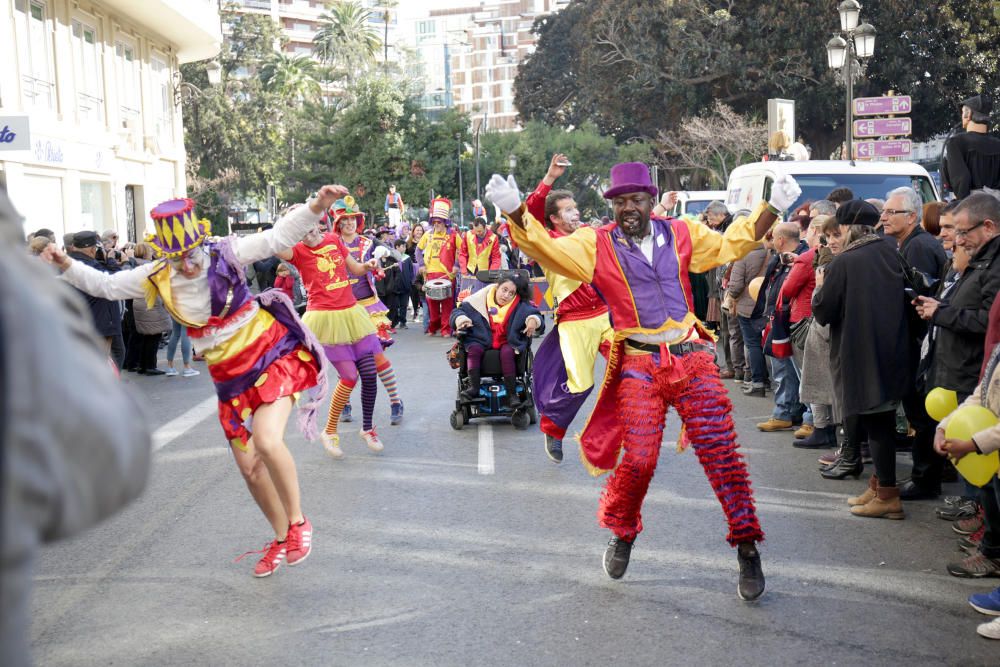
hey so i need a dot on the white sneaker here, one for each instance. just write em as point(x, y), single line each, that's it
point(188, 372)
point(331, 443)
point(371, 439)
point(171, 372)
point(990, 630)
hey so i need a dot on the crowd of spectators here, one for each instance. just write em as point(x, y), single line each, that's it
point(851, 313)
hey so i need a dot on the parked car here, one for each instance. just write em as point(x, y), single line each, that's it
point(693, 202)
point(750, 184)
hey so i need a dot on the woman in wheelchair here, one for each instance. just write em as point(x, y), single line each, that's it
point(499, 317)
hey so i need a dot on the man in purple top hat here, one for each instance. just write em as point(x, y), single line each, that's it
point(661, 355)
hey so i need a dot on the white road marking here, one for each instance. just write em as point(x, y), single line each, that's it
point(178, 426)
point(486, 466)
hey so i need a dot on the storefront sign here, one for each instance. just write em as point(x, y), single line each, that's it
point(14, 134)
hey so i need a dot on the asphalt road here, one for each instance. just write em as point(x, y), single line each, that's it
point(472, 548)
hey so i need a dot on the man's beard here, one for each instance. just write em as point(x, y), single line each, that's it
point(638, 232)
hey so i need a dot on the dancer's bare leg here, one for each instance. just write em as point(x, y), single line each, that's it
point(269, 423)
point(258, 481)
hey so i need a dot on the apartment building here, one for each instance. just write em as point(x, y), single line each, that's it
point(471, 55)
point(97, 81)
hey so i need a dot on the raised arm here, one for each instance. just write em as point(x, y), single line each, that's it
point(289, 230)
point(573, 256)
point(110, 286)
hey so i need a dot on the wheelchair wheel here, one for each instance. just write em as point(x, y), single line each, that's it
point(457, 420)
point(520, 419)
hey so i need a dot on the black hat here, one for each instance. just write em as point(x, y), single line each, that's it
point(857, 212)
point(979, 103)
point(85, 239)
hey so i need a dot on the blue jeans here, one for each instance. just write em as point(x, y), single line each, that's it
point(178, 333)
point(786, 390)
point(752, 330)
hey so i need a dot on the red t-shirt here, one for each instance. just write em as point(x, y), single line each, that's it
point(324, 273)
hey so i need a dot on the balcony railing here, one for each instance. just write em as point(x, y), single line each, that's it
point(38, 92)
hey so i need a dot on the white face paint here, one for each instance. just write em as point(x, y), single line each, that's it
point(190, 263)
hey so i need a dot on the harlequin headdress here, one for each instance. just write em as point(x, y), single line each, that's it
point(347, 208)
point(440, 210)
point(177, 230)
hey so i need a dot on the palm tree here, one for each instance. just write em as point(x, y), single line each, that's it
point(346, 39)
point(296, 77)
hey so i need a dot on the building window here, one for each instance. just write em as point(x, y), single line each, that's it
point(163, 102)
point(93, 206)
point(89, 73)
point(425, 28)
point(33, 33)
point(128, 84)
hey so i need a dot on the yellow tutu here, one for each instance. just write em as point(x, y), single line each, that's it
point(339, 327)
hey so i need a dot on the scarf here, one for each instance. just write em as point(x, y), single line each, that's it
point(499, 317)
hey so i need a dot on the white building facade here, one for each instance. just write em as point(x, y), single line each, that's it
point(97, 80)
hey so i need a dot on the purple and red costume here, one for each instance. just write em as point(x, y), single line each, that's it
point(661, 357)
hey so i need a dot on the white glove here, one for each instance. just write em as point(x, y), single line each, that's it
point(503, 193)
point(784, 192)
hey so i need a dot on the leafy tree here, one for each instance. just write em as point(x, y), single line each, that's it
point(294, 77)
point(236, 133)
point(346, 40)
point(639, 67)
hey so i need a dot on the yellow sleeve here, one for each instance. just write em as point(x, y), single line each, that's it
point(422, 244)
point(710, 249)
point(573, 256)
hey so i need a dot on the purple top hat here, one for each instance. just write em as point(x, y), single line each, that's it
point(630, 177)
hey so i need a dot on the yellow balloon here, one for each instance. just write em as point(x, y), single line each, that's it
point(969, 421)
point(965, 423)
point(978, 468)
point(940, 403)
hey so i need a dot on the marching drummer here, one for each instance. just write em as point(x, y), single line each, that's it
point(439, 248)
point(478, 250)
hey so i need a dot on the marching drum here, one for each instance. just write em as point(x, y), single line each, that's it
point(438, 289)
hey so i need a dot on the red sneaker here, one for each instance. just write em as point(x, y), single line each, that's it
point(299, 542)
point(274, 554)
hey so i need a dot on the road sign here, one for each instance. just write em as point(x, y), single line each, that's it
point(883, 127)
point(881, 106)
point(872, 149)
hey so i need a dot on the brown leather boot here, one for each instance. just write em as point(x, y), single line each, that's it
point(885, 505)
point(867, 496)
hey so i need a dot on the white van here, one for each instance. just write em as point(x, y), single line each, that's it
point(694, 202)
point(750, 184)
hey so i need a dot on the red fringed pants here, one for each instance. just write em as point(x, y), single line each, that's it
point(692, 385)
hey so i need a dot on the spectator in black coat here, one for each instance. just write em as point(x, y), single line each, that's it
point(901, 220)
point(860, 295)
point(107, 314)
point(972, 158)
point(960, 322)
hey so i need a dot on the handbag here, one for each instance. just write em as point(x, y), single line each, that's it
point(800, 331)
point(776, 338)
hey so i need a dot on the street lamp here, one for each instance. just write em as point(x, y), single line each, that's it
point(461, 193)
point(512, 163)
point(843, 56)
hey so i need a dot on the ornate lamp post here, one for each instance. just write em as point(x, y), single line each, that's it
point(848, 55)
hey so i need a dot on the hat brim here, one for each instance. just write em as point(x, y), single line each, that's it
point(626, 188)
point(155, 242)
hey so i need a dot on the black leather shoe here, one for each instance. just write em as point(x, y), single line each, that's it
point(910, 490)
point(616, 557)
point(751, 584)
point(152, 371)
point(843, 469)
